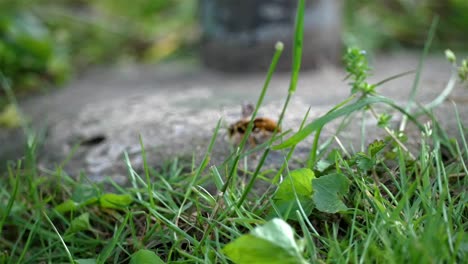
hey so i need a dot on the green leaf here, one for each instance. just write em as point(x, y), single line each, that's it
point(271, 243)
point(375, 147)
point(327, 192)
point(287, 209)
point(384, 120)
point(301, 183)
point(144, 256)
point(80, 223)
point(32, 37)
point(322, 165)
point(364, 162)
point(320, 122)
point(84, 194)
point(66, 206)
point(115, 201)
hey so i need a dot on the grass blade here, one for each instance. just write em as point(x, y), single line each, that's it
point(298, 43)
point(274, 62)
point(69, 255)
point(13, 195)
point(320, 122)
point(415, 85)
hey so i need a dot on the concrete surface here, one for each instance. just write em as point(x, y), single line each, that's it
point(175, 107)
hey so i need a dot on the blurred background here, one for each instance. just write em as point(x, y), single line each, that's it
point(44, 43)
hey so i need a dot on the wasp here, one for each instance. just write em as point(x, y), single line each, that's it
point(263, 127)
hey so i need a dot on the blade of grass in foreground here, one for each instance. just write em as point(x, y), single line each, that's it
point(415, 85)
point(296, 67)
point(297, 56)
point(277, 177)
point(462, 136)
point(298, 43)
point(313, 152)
point(199, 170)
point(320, 122)
point(12, 198)
point(107, 251)
point(69, 255)
point(278, 51)
point(32, 232)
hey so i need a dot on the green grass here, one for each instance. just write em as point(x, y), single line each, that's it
point(412, 212)
point(383, 204)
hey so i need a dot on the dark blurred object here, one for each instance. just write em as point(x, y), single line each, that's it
point(240, 35)
point(385, 24)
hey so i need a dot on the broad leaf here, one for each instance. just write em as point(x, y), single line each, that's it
point(144, 256)
point(80, 223)
point(322, 165)
point(287, 209)
point(66, 206)
point(328, 190)
point(271, 243)
point(85, 194)
point(115, 201)
point(364, 162)
point(300, 181)
point(375, 147)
